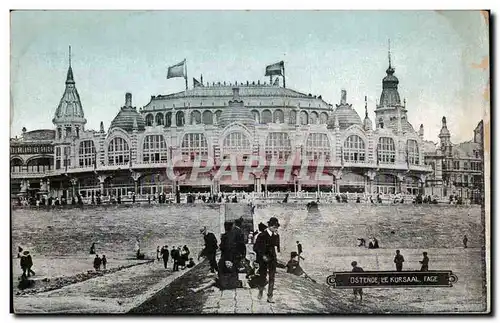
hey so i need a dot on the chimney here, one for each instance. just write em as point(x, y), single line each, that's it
point(128, 99)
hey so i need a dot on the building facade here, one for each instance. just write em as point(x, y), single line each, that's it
point(457, 169)
point(297, 135)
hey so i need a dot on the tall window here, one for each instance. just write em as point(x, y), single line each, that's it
point(118, 152)
point(159, 119)
point(323, 118)
point(208, 117)
point(256, 116)
point(86, 153)
point(168, 119)
point(293, 117)
point(266, 117)
point(149, 120)
point(304, 118)
point(194, 144)
point(278, 145)
point(386, 150)
point(279, 117)
point(154, 149)
point(58, 157)
point(318, 147)
point(354, 149)
point(456, 165)
point(236, 143)
point(195, 117)
point(313, 118)
point(413, 155)
point(67, 156)
point(179, 119)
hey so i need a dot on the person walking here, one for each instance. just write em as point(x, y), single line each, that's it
point(425, 262)
point(398, 260)
point(299, 248)
point(465, 241)
point(97, 263)
point(210, 248)
point(357, 291)
point(104, 261)
point(265, 249)
point(158, 252)
point(164, 255)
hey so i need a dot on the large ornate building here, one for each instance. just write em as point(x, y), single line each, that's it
point(215, 123)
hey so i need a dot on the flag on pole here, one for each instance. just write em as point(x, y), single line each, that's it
point(177, 70)
point(196, 83)
point(275, 69)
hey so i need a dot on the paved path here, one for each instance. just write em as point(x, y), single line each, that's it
point(111, 293)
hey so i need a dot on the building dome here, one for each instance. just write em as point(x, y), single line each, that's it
point(236, 112)
point(128, 118)
point(344, 114)
point(346, 117)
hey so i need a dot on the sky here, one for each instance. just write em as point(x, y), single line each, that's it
point(440, 57)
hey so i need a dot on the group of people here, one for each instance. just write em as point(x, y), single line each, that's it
point(98, 262)
point(180, 257)
point(233, 259)
point(26, 263)
point(372, 244)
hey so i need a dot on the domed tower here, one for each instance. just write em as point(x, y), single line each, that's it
point(128, 118)
point(390, 113)
point(367, 123)
point(236, 112)
point(444, 137)
point(69, 118)
point(344, 114)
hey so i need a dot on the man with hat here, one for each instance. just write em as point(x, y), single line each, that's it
point(210, 248)
point(265, 248)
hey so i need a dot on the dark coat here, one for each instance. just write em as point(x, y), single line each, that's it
point(265, 246)
point(210, 243)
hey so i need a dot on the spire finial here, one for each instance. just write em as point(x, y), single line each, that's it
point(69, 55)
point(366, 107)
point(389, 42)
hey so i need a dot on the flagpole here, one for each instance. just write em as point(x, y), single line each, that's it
point(186, 74)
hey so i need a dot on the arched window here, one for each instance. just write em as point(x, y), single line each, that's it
point(256, 116)
point(236, 143)
point(154, 149)
point(293, 117)
point(318, 147)
point(168, 119)
point(386, 150)
point(195, 117)
point(16, 165)
point(279, 117)
point(354, 149)
point(149, 120)
point(412, 152)
point(86, 153)
point(313, 119)
point(159, 119)
point(38, 164)
point(266, 117)
point(208, 117)
point(118, 152)
point(278, 145)
point(304, 118)
point(179, 119)
point(217, 115)
point(323, 118)
point(194, 144)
